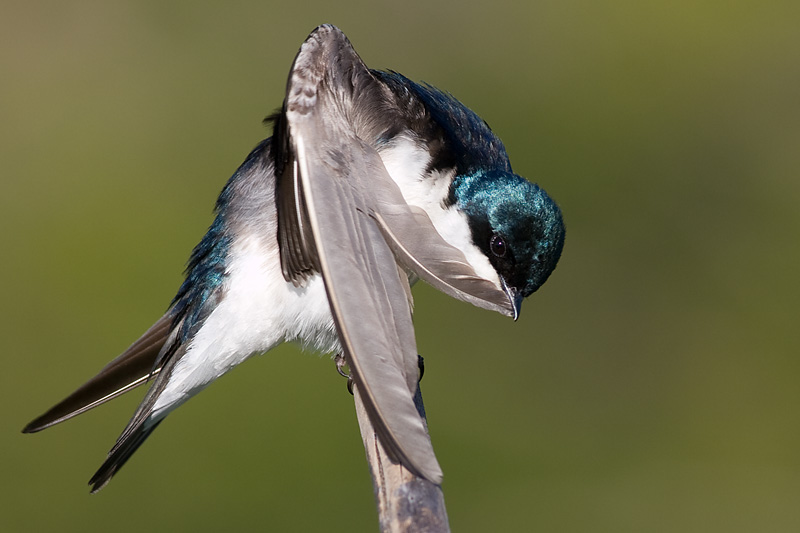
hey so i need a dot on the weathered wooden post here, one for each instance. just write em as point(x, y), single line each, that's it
point(406, 503)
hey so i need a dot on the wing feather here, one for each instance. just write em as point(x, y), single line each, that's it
point(367, 295)
point(361, 229)
point(419, 248)
point(133, 367)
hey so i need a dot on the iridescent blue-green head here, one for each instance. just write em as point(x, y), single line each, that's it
point(515, 224)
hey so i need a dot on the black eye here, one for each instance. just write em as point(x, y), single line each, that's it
point(497, 245)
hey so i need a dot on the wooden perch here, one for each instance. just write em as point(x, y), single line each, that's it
point(406, 503)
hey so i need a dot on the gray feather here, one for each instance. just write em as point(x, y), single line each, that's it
point(362, 229)
point(419, 248)
point(366, 292)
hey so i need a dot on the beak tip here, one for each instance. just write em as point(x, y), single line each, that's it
point(515, 299)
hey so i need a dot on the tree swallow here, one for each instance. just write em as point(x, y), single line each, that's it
point(369, 182)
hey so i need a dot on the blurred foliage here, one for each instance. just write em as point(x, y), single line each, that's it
point(649, 386)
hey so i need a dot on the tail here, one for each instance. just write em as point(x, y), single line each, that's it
point(143, 423)
point(136, 366)
point(128, 443)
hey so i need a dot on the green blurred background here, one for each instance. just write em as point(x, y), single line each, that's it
point(651, 385)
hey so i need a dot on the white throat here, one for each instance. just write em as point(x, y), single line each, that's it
point(407, 159)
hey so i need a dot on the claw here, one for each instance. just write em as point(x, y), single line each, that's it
point(340, 364)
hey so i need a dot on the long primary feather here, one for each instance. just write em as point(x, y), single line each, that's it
point(132, 368)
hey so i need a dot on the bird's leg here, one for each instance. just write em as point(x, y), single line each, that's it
point(340, 364)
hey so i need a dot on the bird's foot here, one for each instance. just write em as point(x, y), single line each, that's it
point(340, 368)
point(341, 365)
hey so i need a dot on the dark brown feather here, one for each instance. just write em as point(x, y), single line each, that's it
point(133, 367)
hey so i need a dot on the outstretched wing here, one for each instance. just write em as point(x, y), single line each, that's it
point(341, 214)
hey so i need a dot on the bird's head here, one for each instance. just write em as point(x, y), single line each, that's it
point(516, 225)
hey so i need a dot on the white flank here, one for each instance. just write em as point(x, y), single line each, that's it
point(259, 311)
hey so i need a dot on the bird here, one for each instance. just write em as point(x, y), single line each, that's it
point(368, 183)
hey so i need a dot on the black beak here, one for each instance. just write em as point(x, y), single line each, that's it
point(514, 298)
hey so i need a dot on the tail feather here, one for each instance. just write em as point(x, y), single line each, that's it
point(139, 428)
point(120, 454)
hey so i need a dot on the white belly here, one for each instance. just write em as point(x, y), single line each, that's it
point(259, 311)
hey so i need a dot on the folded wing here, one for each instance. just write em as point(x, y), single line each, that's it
point(347, 219)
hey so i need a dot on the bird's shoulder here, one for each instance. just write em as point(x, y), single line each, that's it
point(456, 137)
